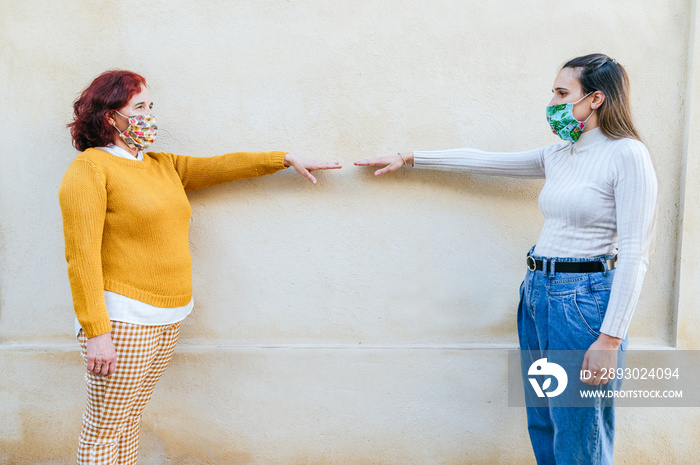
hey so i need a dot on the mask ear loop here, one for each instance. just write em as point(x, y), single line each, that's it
point(589, 117)
point(115, 123)
point(585, 120)
point(572, 104)
point(121, 133)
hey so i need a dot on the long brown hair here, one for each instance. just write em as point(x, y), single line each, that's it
point(600, 72)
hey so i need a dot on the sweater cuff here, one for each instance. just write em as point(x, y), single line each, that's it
point(96, 328)
point(420, 159)
point(277, 159)
point(618, 330)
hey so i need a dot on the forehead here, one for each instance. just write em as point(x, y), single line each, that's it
point(144, 96)
point(567, 79)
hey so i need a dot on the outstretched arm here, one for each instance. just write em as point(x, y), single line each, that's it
point(528, 164)
point(201, 172)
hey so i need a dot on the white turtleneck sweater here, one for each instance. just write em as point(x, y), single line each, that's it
point(599, 194)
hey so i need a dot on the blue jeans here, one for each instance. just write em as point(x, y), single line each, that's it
point(564, 312)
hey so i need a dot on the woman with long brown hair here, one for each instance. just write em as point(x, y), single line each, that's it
point(585, 273)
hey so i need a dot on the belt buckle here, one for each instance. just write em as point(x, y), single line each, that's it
point(531, 264)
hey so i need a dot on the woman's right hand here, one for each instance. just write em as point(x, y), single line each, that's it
point(390, 162)
point(101, 356)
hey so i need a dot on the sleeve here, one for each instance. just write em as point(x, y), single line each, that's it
point(635, 188)
point(528, 164)
point(201, 172)
point(83, 200)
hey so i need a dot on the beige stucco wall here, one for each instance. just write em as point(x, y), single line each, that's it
point(362, 320)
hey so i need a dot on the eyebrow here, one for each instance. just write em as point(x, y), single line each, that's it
point(560, 88)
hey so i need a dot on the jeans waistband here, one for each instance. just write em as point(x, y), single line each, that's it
point(549, 263)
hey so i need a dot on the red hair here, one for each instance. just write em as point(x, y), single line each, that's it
point(109, 91)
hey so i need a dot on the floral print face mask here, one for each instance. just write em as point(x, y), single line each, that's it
point(561, 120)
point(141, 132)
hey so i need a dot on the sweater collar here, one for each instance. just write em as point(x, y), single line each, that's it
point(120, 152)
point(588, 138)
point(105, 154)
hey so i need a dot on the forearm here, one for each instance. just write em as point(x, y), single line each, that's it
point(529, 164)
point(87, 289)
point(624, 295)
point(201, 172)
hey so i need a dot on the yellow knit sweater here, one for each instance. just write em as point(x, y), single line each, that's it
point(126, 224)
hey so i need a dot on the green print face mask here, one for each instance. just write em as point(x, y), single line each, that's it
point(561, 120)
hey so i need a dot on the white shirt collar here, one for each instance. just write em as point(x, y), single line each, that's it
point(120, 152)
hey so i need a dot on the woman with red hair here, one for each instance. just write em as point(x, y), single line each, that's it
point(126, 222)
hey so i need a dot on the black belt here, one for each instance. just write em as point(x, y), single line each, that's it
point(573, 267)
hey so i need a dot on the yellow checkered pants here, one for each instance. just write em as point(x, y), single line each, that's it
point(110, 431)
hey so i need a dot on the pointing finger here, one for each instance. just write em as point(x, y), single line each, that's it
point(308, 175)
point(325, 166)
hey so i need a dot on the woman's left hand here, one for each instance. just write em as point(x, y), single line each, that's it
point(305, 166)
point(601, 359)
